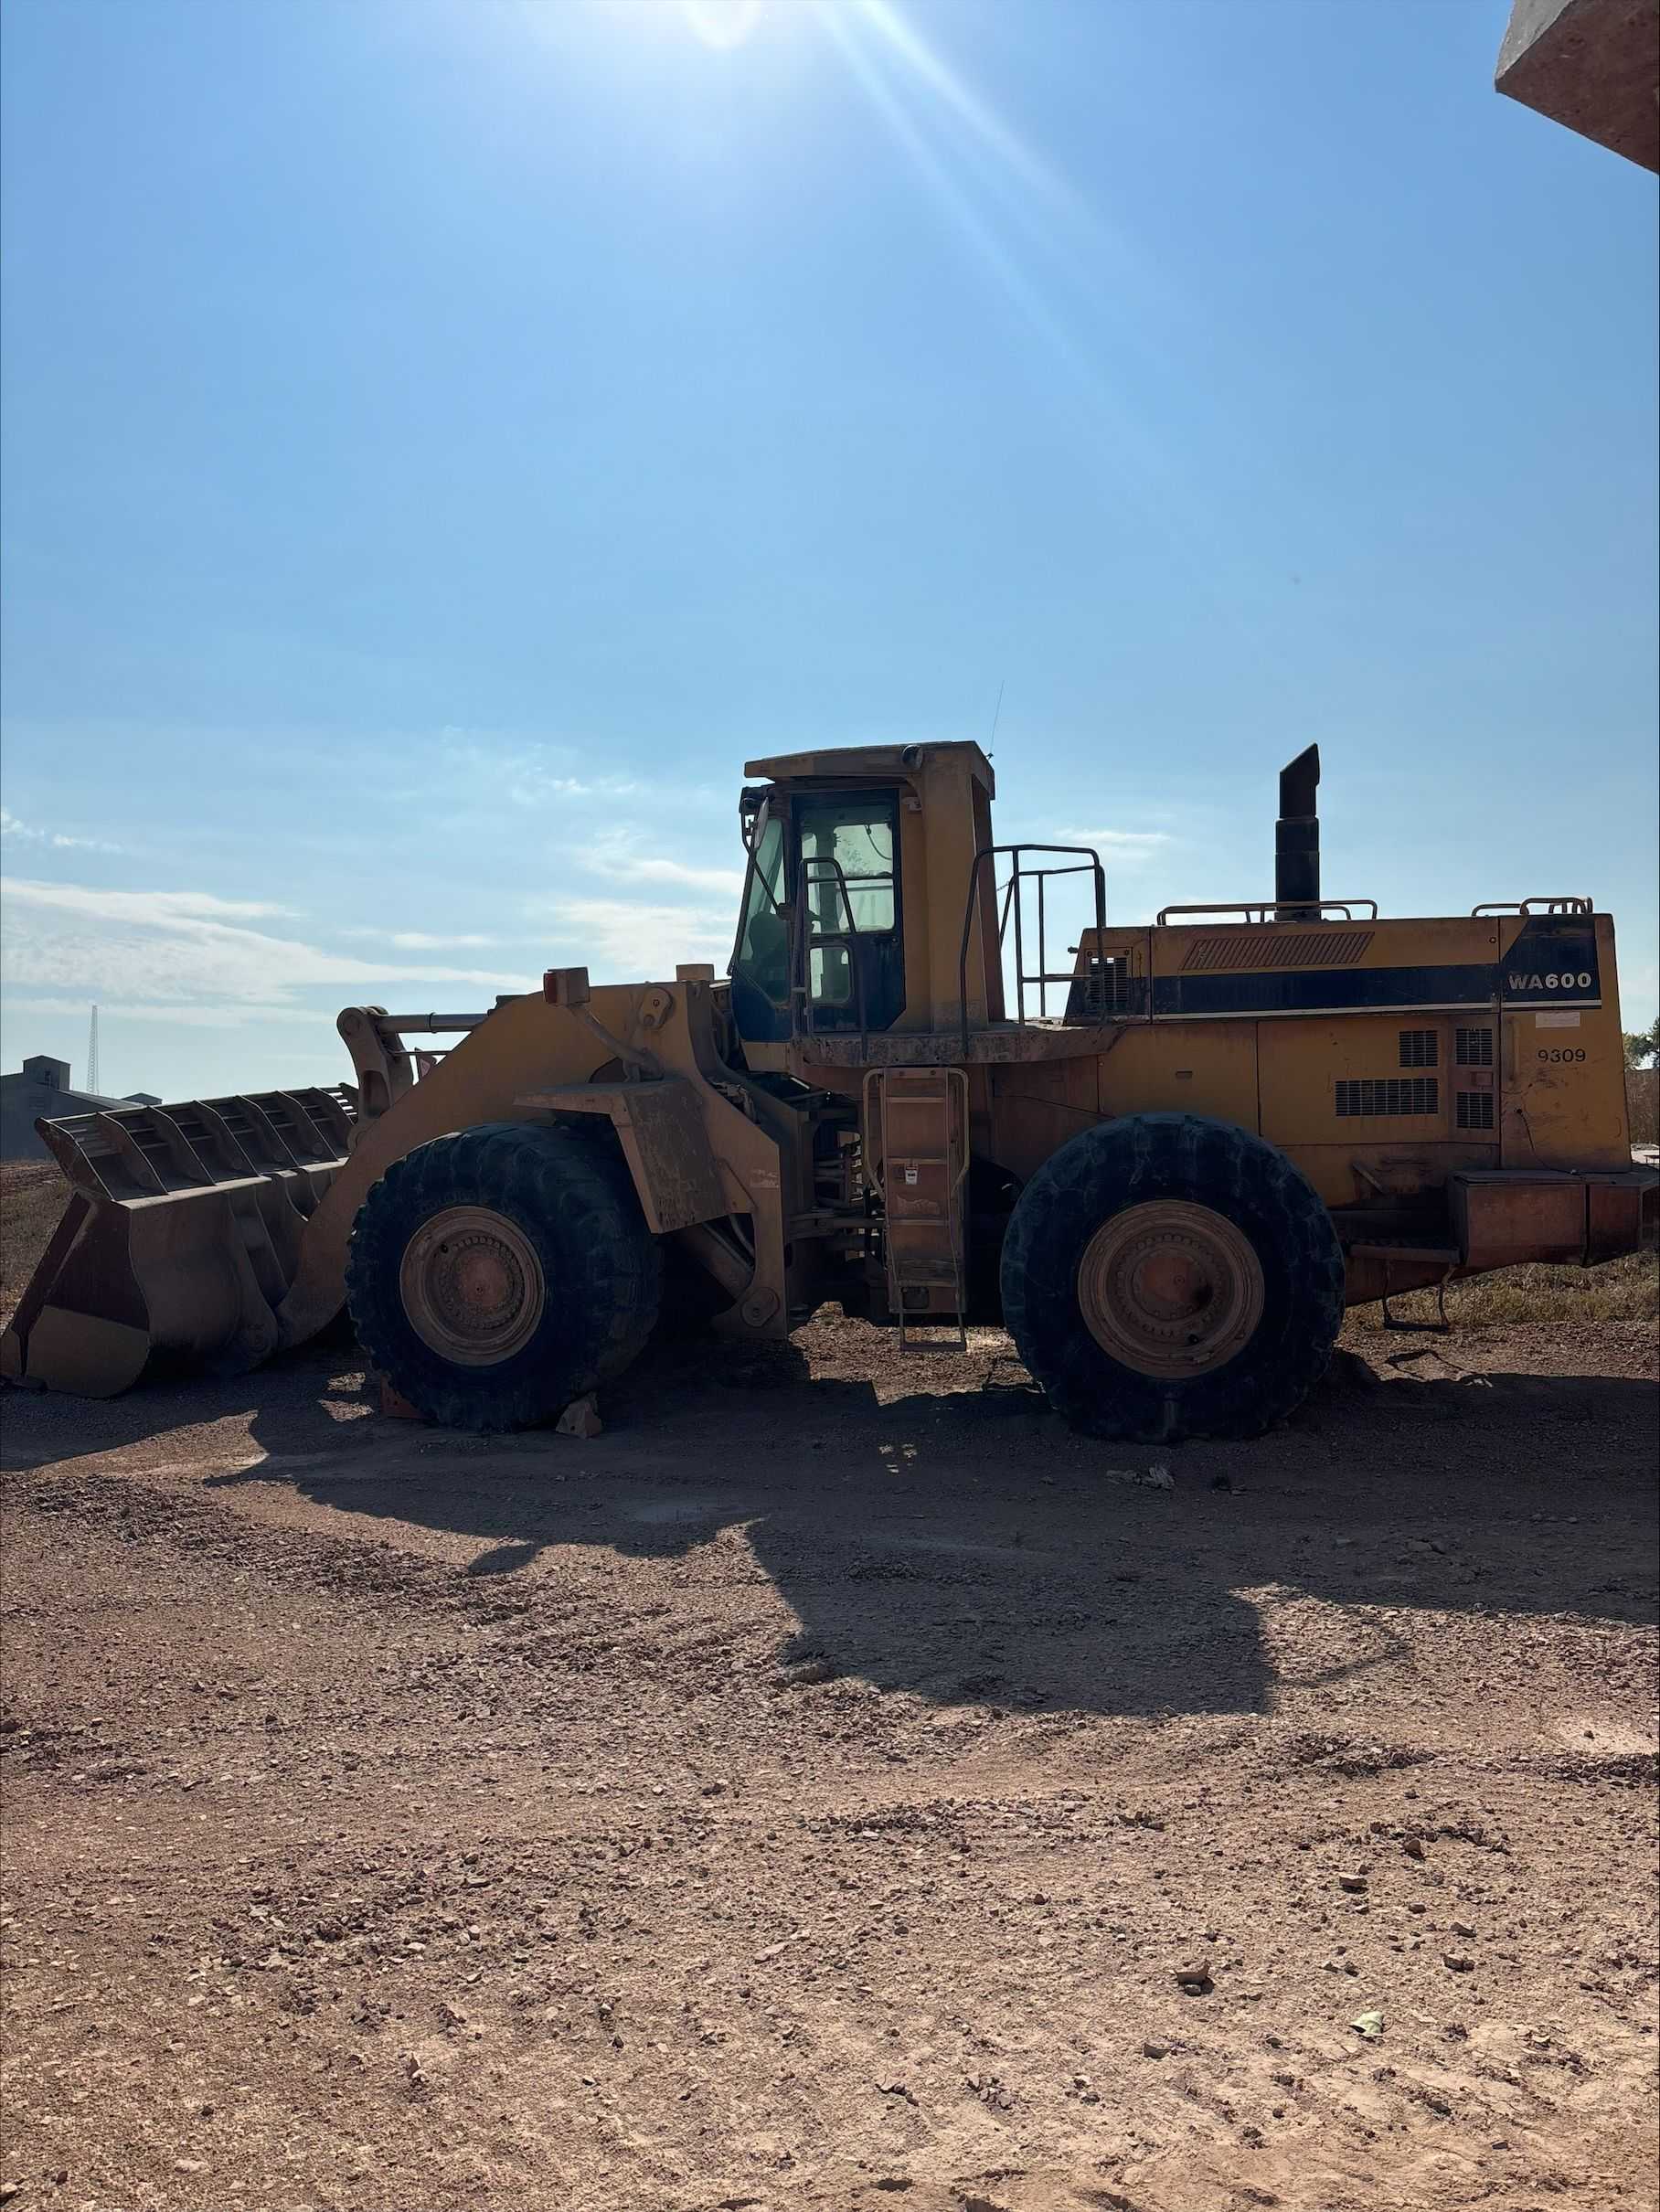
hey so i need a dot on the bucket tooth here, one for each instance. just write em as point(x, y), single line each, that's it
point(181, 1238)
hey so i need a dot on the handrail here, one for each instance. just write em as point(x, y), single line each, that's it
point(1256, 908)
point(806, 937)
point(1525, 905)
point(1088, 862)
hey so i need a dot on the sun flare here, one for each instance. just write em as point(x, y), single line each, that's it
point(721, 24)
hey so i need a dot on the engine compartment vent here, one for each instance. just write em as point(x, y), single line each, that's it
point(1419, 1048)
point(1282, 947)
point(1387, 1094)
point(1476, 1110)
point(1473, 1048)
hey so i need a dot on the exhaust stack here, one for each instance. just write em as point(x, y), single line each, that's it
point(1297, 839)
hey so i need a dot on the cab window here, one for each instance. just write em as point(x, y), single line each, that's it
point(850, 893)
point(763, 935)
point(846, 851)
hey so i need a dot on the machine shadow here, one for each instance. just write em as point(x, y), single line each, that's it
point(964, 1547)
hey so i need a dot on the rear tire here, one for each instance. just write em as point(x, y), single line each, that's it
point(1168, 1276)
point(496, 1275)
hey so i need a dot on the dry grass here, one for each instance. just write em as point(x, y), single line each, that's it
point(1621, 1290)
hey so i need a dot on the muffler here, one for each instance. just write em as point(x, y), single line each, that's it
point(1297, 839)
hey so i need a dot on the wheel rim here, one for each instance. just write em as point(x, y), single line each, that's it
point(1170, 1287)
point(472, 1286)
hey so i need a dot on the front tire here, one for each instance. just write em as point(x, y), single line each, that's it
point(496, 1275)
point(1166, 1276)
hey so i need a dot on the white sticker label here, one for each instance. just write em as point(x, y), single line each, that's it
point(1556, 1021)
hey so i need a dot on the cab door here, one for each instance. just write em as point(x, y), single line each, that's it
point(846, 853)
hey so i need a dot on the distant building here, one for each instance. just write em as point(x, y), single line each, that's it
point(143, 1097)
point(40, 1091)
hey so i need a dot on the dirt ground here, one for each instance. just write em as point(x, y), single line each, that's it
point(809, 1792)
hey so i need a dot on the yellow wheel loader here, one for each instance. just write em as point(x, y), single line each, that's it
point(1166, 1154)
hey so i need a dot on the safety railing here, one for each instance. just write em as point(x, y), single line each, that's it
point(1265, 910)
point(1081, 860)
point(1527, 906)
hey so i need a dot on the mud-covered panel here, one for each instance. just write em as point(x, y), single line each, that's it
point(1564, 1097)
point(1035, 1107)
point(1209, 1067)
point(1397, 1172)
point(1198, 1068)
point(1563, 1073)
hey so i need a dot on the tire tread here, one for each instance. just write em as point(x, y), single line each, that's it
point(571, 1191)
point(1124, 1163)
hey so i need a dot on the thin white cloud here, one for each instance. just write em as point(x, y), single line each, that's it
point(419, 940)
point(615, 854)
point(159, 910)
point(1129, 848)
point(622, 866)
point(152, 947)
point(526, 775)
point(230, 1012)
point(626, 941)
point(56, 840)
point(531, 787)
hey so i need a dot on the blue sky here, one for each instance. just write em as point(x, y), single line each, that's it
point(445, 437)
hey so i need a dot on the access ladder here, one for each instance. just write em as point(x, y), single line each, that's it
point(916, 1158)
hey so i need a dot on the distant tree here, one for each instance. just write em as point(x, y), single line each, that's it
point(1642, 1045)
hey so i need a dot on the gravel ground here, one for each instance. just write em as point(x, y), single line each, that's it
point(837, 1786)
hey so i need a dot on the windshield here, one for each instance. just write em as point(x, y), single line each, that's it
point(763, 936)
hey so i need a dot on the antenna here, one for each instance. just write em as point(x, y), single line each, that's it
point(93, 1054)
point(996, 718)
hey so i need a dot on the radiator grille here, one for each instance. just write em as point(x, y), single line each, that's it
point(1476, 1110)
point(1277, 948)
point(1418, 1048)
point(1473, 1048)
point(1370, 1094)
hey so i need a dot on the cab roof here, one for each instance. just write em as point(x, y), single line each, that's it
point(873, 764)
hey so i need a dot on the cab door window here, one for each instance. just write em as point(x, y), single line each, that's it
point(850, 895)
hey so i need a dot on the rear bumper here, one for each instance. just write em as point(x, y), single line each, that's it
point(1505, 1215)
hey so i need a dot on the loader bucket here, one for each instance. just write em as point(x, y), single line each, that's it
point(180, 1239)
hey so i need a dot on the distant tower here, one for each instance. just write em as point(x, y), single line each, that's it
point(92, 1055)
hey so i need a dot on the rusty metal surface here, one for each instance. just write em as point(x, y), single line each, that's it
point(1170, 1289)
point(470, 1283)
point(664, 1139)
point(1500, 1219)
point(1590, 65)
point(1000, 1044)
point(872, 763)
point(183, 1236)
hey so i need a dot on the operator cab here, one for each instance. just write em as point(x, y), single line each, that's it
point(872, 903)
point(822, 926)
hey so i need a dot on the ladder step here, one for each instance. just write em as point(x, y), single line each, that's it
point(917, 1127)
point(956, 1342)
